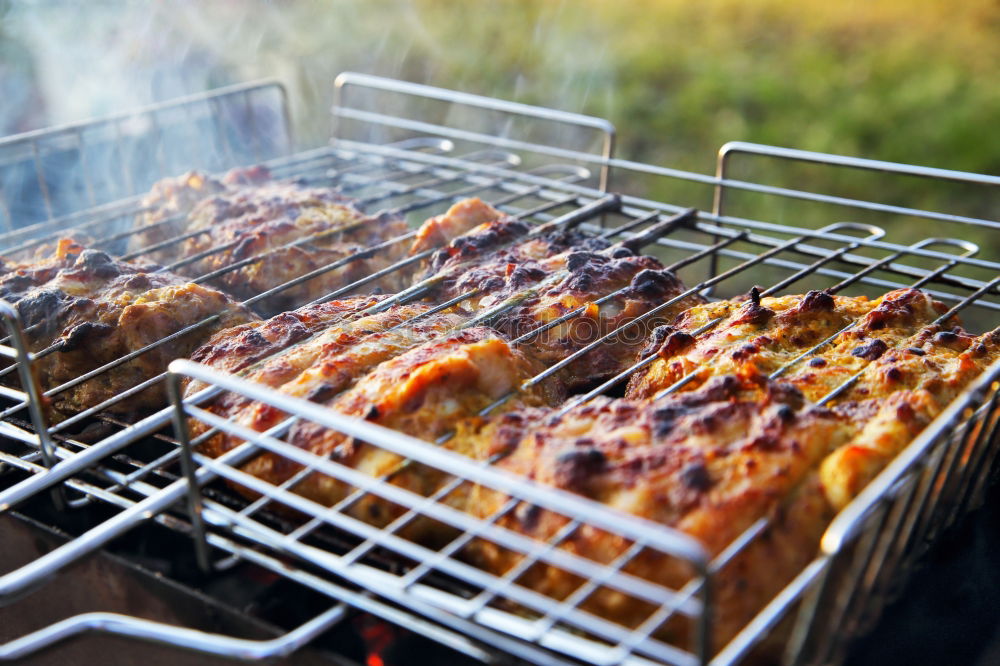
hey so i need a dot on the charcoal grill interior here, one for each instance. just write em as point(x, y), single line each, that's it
point(546, 167)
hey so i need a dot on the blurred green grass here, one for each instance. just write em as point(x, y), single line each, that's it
point(900, 80)
point(913, 81)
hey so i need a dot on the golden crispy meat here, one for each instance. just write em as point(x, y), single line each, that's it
point(761, 337)
point(554, 274)
point(908, 369)
point(705, 462)
point(321, 359)
point(99, 309)
point(457, 220)
point(422, 391)
point(896, 395)
point(235, 349)
point(291, 230)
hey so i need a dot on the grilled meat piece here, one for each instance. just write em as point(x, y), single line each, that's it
point(421, 391)
point(898, 394)
point(98, 309)
point(461, 218)
point(236, 349)
point(706, 463)
point(288, 229)
point(551, 275)
point(905, 369)
point(166, 208)
point(761, 337)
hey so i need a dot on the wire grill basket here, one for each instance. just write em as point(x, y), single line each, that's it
point(413, 150)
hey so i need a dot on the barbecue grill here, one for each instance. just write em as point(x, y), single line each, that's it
point(414, 150)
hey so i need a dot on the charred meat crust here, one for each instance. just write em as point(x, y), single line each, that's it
point(92, 309)
point(290, 229)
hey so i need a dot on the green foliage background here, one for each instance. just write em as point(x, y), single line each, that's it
point(901, 80)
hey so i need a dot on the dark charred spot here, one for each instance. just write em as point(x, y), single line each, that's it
point(753, 313)
point(577, 260)
point(817, 363)
point(785, 413)
point(945, 337)
point(41, 305)
point(372, 413)
point(893, 374)
point(322, 392)
point(244, 248)
point(815, 301)
point(743, 352)
point(492, 283)
point(897, 307)
point(575, 466)
point(871, 350)
point(525, 275)
point(709, 419)
point(582, 280)
point(720, 388)
point(76, 336)
point(17, 283)
point(665, 418)
point(621, 252)
point(649, 282)
point(979, 349)
point(675, 342)
point(253, 338)
point(916, 351)
point(656, 340)
point(137, 281)
point(695, 476)
point(787, 394)
point(527, 515)
point(98, 263)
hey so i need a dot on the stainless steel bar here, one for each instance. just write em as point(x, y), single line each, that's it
point(37, 571)
point(12, 320)
point(188, 639)
point(631, 585)
point(188, 470)
point(521, 595)
point(407, 447)
point(600, 125)
point(633, 201)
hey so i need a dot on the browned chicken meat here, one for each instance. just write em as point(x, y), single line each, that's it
point(272, 232)
point(880, 349)
point(766, 336)
point(373, 371)
point(95, 309)
point(550, 275)
point(740, 441)
point(707, 463)
point(457, 220)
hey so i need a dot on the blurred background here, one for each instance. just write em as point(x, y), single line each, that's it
point(902, 80)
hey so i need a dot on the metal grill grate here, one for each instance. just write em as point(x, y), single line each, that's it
point(416, 167)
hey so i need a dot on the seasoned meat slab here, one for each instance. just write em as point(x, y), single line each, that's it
point(551, 275)
point(98, 309)
point(367, 370)
point(287, 229)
